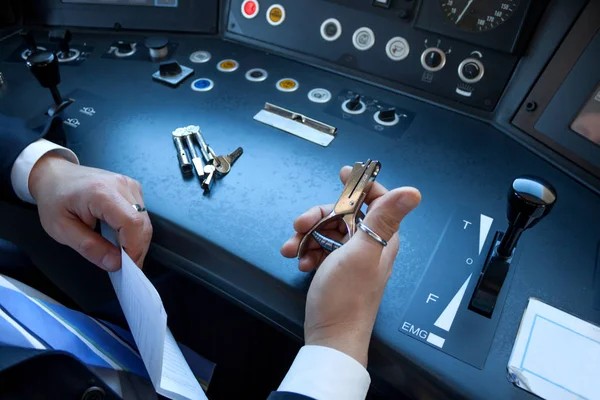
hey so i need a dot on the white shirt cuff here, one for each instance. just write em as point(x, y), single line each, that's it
point(324, 373)
point(21, 169)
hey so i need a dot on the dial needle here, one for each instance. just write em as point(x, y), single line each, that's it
point(464, 11)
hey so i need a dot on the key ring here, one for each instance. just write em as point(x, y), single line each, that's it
point(371, 233)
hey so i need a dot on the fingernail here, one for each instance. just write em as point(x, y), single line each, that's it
point(111, 261)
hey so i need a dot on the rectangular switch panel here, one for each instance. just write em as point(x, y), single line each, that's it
point(438, 314)
point(410, 48)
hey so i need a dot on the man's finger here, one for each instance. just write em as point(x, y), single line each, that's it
point(90, 245)
point(310, 260)
point(290, 248)
point(135, 196)
point(376, 189)
point(120, 215)
point(306, 221)
point(385, 215)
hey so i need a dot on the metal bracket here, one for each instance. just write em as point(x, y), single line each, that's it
point(297, 124)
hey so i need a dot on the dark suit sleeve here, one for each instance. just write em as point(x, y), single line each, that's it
point(14, 138)
point(288, 396)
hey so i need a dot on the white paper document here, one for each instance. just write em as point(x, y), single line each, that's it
point(556, 355)
point(147, 319)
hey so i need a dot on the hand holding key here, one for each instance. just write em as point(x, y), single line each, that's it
point(347, 288)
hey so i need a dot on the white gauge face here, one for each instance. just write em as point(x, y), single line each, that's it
point(478, 15)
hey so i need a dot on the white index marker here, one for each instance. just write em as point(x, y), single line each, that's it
point(485, 225)
point(446, 318)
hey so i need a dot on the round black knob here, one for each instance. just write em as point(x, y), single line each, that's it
point(156, 42)
point(388, 115)
point(530, 199)
point(125, 47)
point(354, 103)
point(433, 59)
point(471, 70)
point(157, 45)
point(44, 66)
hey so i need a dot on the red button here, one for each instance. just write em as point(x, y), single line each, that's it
point(250, 8)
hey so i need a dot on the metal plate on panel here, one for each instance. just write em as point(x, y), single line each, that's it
point(438, 314)
point(297, 124)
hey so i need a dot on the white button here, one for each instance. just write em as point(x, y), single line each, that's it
point(276, 14)
point(200, 57)
point(256, 75)
point(331, 29)
point(397, 48)
point(363, 39)
point(319, 95)
point(250, 8)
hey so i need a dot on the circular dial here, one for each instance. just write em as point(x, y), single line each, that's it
point(478, 15)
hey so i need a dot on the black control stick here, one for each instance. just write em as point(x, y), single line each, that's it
point(29, 40)
point(63, 37)
point(530, 199)
point(44, 66)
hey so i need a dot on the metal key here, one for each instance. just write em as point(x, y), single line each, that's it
point(197, 161)
point(209, 170)
point(224, 163)
point(184, 162)
point(203, 146)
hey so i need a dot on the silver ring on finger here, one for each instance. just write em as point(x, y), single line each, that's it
point(138, 208)
point(371, 233)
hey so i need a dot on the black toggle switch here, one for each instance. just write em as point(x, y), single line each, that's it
point(29, 40)
point(125, 47)
point(169, 68)
point(63, 37)
point(44, 66)
point(354, 103)
point(530, 199)
point(388, 115)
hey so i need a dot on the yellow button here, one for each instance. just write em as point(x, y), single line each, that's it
point(228, 65)
point(287, 85)
point(276, 14)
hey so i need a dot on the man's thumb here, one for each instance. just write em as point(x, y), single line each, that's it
point(386, 213)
